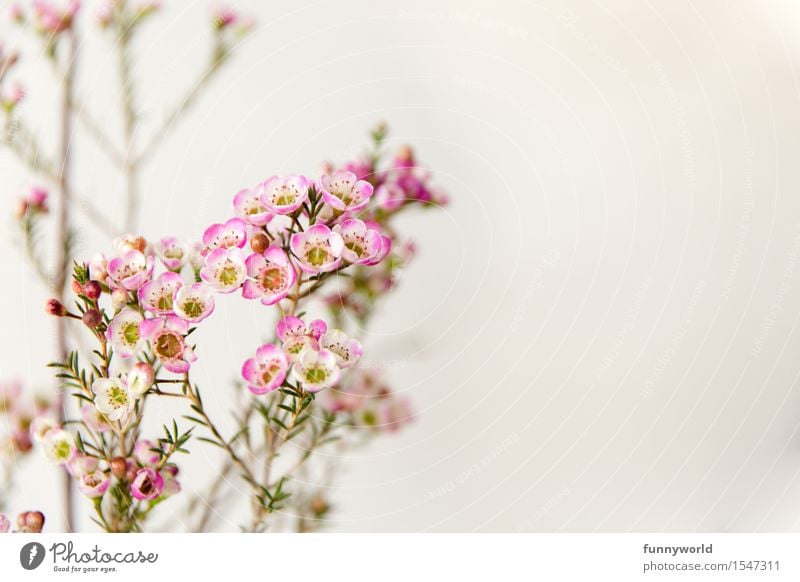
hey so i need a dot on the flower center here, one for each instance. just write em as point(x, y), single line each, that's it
point(228, 275)
point(130, 333)
point(169, 345)
point(117, 397)
point(164, 302)
point(316, 375)
point(193, 307)
point(317, 256)
point(272, 278)
point(269, 373)
point(62, 450)
point(355, 246)
point(174, 253)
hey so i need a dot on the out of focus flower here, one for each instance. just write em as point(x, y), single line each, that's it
point(58, 446)
point(53, 17)
point(130, 242)
point(12, 96)
point(143, 452)
point(93, 419)
point(41, 425)
point(34, 202)
point(5, 523)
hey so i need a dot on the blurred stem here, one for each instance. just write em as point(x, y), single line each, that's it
point(62, 237)
point(129, 121)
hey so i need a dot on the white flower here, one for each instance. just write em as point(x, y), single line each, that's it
point(112, 397)
point(58, 446)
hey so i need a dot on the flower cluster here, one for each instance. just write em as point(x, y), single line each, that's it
point(27, 522)
point(288, 237)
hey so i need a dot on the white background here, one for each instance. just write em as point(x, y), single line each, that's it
point(598, 333)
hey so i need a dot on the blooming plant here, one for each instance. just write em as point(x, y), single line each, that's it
point(297, 245)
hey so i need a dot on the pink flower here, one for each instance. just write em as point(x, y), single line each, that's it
point(267, 370)
point(394, 412)
point(271, 276)
point(124, 334)
point(144, 454)
point(193, 303)
point(232, 233)
point(82, 464)
point(98, 268)
point(345, 192)
point(247, 206)
point(318, 249)
point(284, 195)
point(315, 370)
point(390, 196)
point(34, 202)
point(156, 296)
point(41, 425)
point(225, 270)
point(53, 17)
point(295, 335)
point(147, 484)
point(171, 485)
point(93, 484)
point(346, 349)
point(172, 252)
point(5, 523)
point(130, 271)
point(386, 246)
point(9, 393)
point(361, 244)
point(167, 336)
point(92, 418)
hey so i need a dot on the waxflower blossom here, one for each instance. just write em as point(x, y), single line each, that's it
point(386, 247)
point(172, 252)
point(345, 192)
point(284, 194)
point(166, 335)
point(94, 484)
point(171, 484)
point(390, 196)
point(93, 419)
point(267, 370)
point(54, 17)
point(124, 333)
point(193, 303)
point(98, 268)
point(247, 206)
point(144, 453)
point(140, 379)
point(271, 276)
point(147, 484)
point(156, 296)
point(225, 270)
point(34, 202)
point(346, 349)
point(130, 242)
point(361, 244)
point(58, 446)
point(41, 425)
point(315, 370)
point(82, 464)
point(113, 398)
point(393, 413)
point(5, 523)
point(318, 249)
point(232, 233)
point(296, 335)
point(130, 271)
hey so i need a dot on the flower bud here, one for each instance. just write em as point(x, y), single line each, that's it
point(119, 298)
point(141, 378)
point(34, 520)
point(92, 318)
point(55, 307)
point(92, 290)
point(22, 518)
point(259, 242)
point(118, 467)
point(76, 287)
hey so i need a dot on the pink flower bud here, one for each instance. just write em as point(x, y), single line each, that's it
point(147, 484)
point(92, 290)
point(92, 318)
point(141, 378)
point(55, 307)
point(119, 298)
